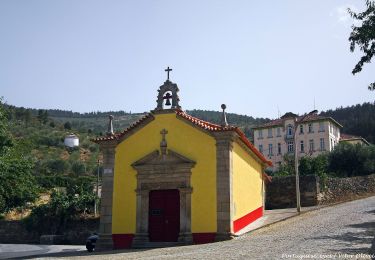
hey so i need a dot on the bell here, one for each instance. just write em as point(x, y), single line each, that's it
point(168, 98)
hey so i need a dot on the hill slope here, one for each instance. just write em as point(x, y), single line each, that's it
point(357, 120)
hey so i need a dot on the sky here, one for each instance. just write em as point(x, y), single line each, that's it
point(260, 58)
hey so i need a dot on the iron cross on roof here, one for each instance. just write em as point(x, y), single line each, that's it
point(168, 70)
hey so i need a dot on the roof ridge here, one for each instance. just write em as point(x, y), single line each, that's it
point(200, 122)
point(123, 132)
point(212, 127)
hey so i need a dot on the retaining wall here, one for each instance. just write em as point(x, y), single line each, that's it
point(76, 232)
point(281, 192)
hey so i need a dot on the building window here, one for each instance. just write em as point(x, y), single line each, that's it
point(270, 150)
point(311, 128)
point(311, 145)
point(301, 129)
point(321, 126)
point(260, 134)
point(322, 147)
point(270, 133)
point(278, 131)
point(302, 147)
point(278, 148)
point(289, 131)
point(290, 146)
point(261, 148)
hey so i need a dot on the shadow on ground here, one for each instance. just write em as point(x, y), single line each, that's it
point(69, 253)
point(357, 241)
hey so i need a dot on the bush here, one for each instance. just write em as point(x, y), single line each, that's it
point(78, 168)
point(49, 141)
point(315, 166)
point(18, 185)
point(56, 166)
point(287, 167)
point(68, 126)
point(75, 185)
point(53, 217)
point(348, 160)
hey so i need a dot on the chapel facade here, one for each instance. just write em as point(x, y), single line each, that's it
point(174, 178)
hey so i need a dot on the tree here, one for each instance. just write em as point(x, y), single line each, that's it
point(315, 166)
point(68, 125)
point(18, 185)
point(364, 36)
point(78, 168)
point(348, 160)
point(56, 166)
point(42, 116)
point(6, 140)
point(53, 217)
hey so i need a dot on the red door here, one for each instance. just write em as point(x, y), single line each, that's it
point(164, 215)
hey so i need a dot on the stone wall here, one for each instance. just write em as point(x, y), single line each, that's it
point(13, 232)
point(342, 189)
point(281, 192)
point(76, 233)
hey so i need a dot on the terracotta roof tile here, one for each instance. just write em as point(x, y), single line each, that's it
point(348, 137)
point(119, 135)
point(217, 128)
point(308, 118)
point(198, 122)
point(204, 124)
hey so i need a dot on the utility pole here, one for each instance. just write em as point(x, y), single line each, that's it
point(298, 193)
point(96, 210)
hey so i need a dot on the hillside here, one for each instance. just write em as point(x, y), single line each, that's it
point(43, 131)
point(356, 120)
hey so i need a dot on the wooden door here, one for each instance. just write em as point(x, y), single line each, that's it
point(164, 215)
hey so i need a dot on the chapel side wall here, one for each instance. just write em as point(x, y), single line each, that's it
point(247, 188)
point(182, 138)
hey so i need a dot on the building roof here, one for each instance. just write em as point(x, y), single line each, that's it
point(348, 137)
point(208, 126)
point(71, 135)
point(289, 115)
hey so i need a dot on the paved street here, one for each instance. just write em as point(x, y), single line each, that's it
point(328, 233)
point(343, 229)
point(23, 250)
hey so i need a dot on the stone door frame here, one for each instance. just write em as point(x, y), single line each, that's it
point(163, 172)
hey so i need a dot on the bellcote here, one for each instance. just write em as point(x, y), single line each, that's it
point(167, 95)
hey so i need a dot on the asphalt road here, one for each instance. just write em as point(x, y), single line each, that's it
point(25, 250)
point(344, 231)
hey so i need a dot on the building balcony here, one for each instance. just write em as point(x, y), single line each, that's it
point(289, 137)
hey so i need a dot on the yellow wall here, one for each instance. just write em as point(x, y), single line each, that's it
point(183, 139)
point(247, 182)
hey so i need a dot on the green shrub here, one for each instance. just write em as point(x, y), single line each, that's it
point(53, 217)
point(74, 184)
point(18, 185)
point(78, 168)
point(55, 166)
point(348, 160)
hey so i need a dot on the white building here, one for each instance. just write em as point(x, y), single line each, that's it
point(71, 140)
point(315, 134)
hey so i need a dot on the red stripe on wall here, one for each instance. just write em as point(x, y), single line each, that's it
point(203, 238)
point(247, 219)
point(121, 241)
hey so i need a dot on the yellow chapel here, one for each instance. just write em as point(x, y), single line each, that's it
point(173, 178)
